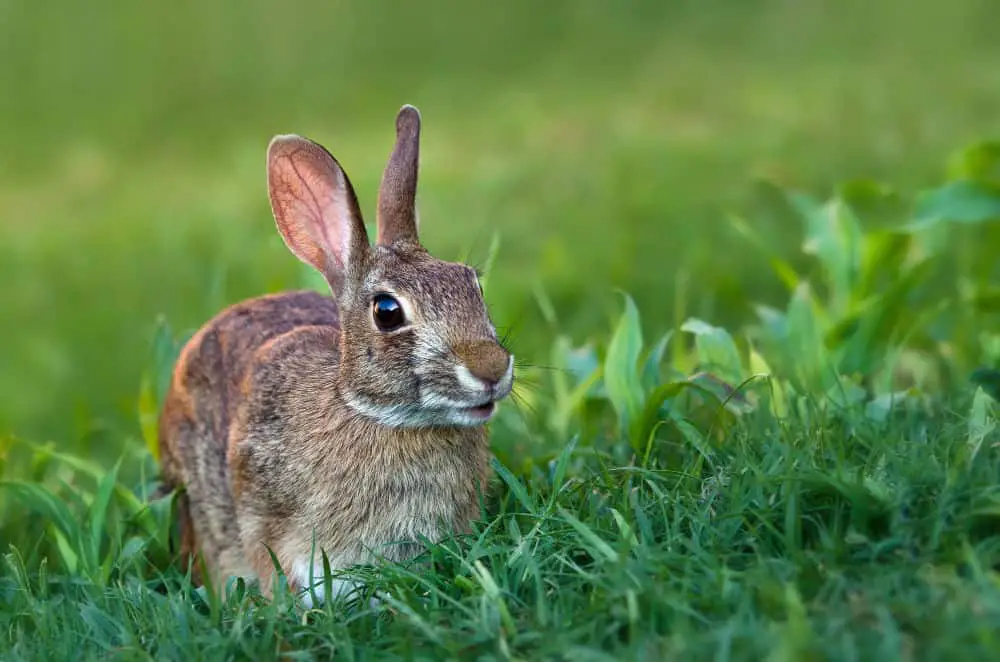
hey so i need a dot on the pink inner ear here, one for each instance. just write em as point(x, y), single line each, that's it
point(313, 204)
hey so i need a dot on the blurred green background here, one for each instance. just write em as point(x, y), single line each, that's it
point(606, 141)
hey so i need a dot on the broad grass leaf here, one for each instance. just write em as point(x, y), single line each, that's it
point(777, 396)
point(833, 235)
point(981, 421)
point(103, 629)
point(595, 546)
point(843, 329)
point(133, 550)
point(99, 511)
point(516, 486)
point(164, 352)
point(979, 161)
point(987, 380)
point(69, 555)
point(560, 380)
point(773, 323)
point(795, 636)
point(157, 518)
point(803, 344)
point(45, 454)
point(716, 349)
point(46, 504)
point(627, 535)
point(730, 394)
point(621, 366)
point(126, 498)
point(492, 592)
point(581, 364)
point(659, 395)
point(651, 366)
point(562, 466)
point(155, 381)
point(149, 413)
point(962, 201)
point(868, 496)
point(643, 426)
point(846, 393)
point(884, 255)
point(884, 317)
point(491, 256)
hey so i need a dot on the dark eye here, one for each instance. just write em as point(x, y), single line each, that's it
point(387, 312)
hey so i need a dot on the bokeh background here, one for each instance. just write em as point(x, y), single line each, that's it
point(605, 141)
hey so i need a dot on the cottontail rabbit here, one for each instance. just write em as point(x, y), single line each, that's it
point(352, 424)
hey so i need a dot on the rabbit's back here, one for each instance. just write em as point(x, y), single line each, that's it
point(207, 387)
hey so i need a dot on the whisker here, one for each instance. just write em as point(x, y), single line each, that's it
point(530, 385)
point(505, 339)
point(520, 403)
point(538, 366)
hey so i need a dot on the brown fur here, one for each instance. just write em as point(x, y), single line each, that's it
point(486, 360)
point(291, 420)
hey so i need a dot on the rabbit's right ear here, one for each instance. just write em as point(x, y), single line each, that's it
point(315, 208)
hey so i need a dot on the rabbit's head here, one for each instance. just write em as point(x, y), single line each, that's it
point(417, 346)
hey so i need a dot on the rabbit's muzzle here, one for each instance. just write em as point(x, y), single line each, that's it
point(485, 360)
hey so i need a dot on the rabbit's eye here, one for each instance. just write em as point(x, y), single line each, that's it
point(387, 312)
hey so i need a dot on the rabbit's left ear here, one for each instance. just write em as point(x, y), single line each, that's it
point(397, 210)
point(316, 209)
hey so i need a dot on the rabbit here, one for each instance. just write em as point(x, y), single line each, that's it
point(354, 423)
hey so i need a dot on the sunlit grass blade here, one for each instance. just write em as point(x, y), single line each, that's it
point(621, 366)
point(99, 512)
point(515, 485)
point(487, 268)
point(598, 548)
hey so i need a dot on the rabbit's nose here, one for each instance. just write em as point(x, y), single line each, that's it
point(485, 359)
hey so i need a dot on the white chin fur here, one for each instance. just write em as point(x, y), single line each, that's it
point(436, 408)
point(468, 419)
point(393, 416)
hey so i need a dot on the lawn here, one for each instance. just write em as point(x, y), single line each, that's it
point(799, 198)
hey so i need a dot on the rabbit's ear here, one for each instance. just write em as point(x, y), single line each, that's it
point(397, 212)
point(315, 208)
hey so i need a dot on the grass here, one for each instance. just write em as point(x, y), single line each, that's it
point(799, 202)
point(808, 543)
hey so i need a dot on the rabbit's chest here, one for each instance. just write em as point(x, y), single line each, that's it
point(389, 500)
point(411, 503)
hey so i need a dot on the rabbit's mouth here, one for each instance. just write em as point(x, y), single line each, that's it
point(483, 411)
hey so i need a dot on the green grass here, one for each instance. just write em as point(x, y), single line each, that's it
point(819, 542)
point(705, 158)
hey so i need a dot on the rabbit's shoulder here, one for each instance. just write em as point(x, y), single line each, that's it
point(287, 398)
point(212, 370)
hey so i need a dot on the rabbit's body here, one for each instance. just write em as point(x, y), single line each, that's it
point(298, 425)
